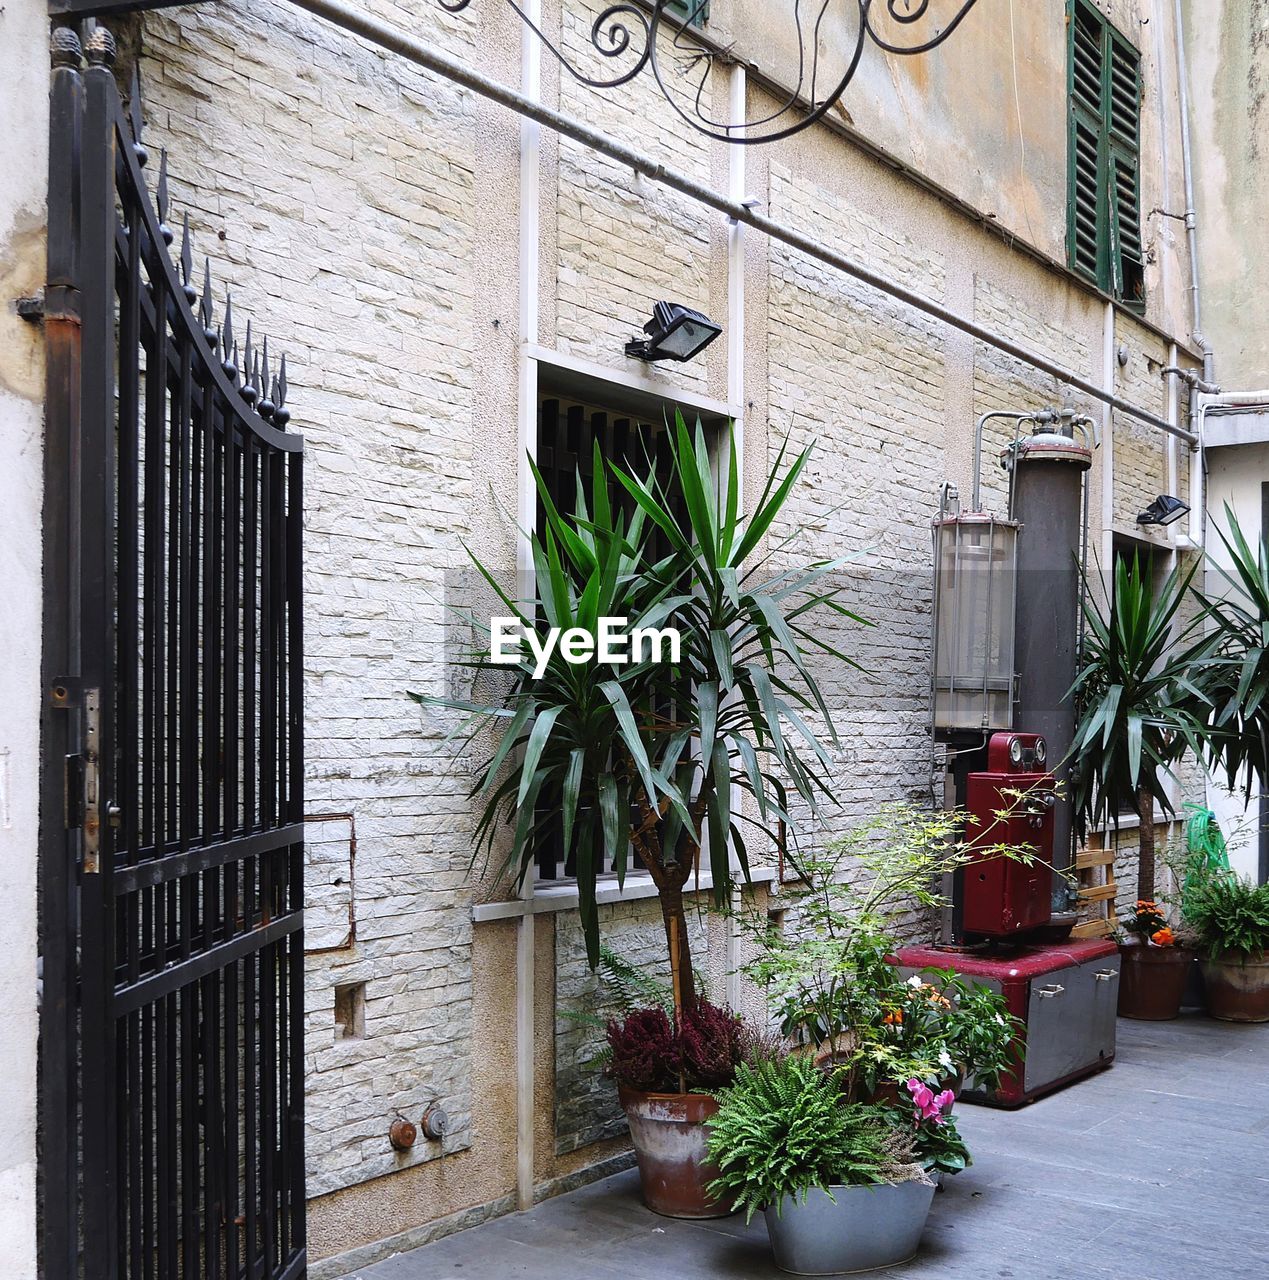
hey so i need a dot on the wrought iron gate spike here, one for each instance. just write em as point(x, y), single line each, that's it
point(250, 390)
point(160, 198)
point(64, 47)
point(187, 262)
point(228, 351)
point(135, 117)
point(205, 307)
point(99, 48)
point(266, 406)
point(281, 414)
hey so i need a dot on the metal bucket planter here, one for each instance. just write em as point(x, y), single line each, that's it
point(1152, 980)
point(1238, 988)
point(857, 1229)
point(669, 1136)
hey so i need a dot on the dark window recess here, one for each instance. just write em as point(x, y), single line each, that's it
point(350, 1011)
point(566, 435)
point(1104, 189)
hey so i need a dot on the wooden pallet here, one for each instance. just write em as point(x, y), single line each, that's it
point(1096, 893)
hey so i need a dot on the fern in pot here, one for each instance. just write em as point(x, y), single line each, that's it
point(1231, 917)
point(840, 1183)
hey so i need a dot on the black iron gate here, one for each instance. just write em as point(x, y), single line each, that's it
point(172, 854)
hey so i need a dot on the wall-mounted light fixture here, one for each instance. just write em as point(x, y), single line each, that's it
point(675, 332)
point(1165, 509)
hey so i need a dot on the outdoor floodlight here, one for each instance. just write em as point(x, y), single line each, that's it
point(1163, 510)
point(674, 333)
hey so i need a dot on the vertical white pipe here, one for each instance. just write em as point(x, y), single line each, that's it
point(736, 396)
point(530, 175)
point(1171, 413)
point(1108, 443)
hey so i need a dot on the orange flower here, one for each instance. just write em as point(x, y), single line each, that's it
point(894, 1018)
point(1163, 937)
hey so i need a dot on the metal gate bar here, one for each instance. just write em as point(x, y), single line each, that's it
point(172, 833)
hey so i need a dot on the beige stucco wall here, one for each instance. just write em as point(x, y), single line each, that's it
point(367, 216)
point(1228, 49)
point(984, 116)
point(24, 72)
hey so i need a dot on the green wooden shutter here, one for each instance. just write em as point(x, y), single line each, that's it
point(1104, 214)
point(682, 8)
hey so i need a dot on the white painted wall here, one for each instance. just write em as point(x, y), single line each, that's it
point(23, 161)
point(1234, 477)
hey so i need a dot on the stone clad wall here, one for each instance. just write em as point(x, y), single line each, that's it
point(334, 190)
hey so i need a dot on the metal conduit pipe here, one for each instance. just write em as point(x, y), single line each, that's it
point(1191, 212)
point(394, 40)
point(1018, 418)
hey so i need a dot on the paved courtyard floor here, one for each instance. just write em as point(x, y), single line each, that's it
point(1157, 1169)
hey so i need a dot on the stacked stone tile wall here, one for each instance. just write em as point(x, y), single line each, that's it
point(327, 181)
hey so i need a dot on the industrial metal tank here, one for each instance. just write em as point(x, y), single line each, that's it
point(975, 557)
point(1048, 502)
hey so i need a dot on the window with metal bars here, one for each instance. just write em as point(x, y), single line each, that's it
point(1104, 181)
point(567, 430)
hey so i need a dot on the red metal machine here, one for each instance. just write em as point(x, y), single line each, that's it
point(1064, 995)
point(1002, 897)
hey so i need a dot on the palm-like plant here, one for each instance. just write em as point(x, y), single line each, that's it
point(1238, 677)
point(1141, 703)
point(646, 756)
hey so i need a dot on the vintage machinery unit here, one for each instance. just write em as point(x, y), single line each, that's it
point(1006, 634)
point(1065, 997)
point(1003, 897)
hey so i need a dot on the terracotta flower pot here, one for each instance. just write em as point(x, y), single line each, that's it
point(1238, 987)
point(1152, 980)
point(669, 1136)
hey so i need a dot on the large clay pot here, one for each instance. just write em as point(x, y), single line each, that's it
point(857, 1229)
point(1238, 987)
point(669, 1135)
point(1152, 980)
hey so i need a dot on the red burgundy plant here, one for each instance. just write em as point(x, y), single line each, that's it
point(650, 1055)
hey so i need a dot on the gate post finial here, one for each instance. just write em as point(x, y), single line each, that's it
point(64, 47)
point(100, 48)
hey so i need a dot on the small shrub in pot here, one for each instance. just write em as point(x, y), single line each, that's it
point(1231, 917)
point(1154, 963)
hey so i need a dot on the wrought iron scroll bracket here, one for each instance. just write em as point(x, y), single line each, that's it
point(661, 38)
point(657, 36)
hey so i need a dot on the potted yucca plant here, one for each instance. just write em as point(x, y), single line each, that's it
point(638, 763)
point(1142, 700)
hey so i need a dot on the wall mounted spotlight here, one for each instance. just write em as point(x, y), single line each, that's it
point(1165, 509)
point(675, 332)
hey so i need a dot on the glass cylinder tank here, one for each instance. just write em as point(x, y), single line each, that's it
point(975, 563)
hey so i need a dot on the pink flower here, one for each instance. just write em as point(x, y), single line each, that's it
point(927, 1105)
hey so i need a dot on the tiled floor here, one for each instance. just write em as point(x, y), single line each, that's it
point(1157, 1169)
